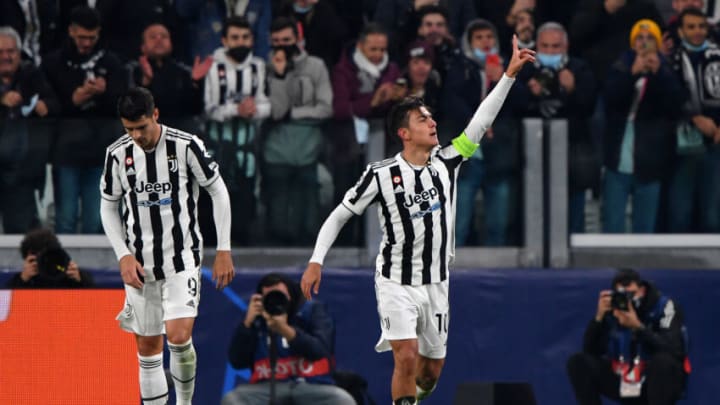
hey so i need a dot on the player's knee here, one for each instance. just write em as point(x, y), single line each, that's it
point(179, 337)
point(149, 345)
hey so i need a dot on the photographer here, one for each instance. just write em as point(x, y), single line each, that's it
point(47, 265)
point(634, 349)
point(563, 86)
point(303, 333)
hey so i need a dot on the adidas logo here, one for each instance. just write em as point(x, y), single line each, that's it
point(399, 189)
point(131, 172)
point(190, 303)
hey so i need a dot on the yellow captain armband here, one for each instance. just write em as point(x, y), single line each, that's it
point(464, 145)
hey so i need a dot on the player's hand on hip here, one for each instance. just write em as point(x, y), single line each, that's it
point(223, 270)
point(311, 280)
point(519, 58)
point(131, 271)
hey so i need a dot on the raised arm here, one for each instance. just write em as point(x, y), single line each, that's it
point(490, 106)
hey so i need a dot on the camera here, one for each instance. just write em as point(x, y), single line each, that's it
point(276, 303)
point(53, 262)
point(621, 300)
point(548, 79)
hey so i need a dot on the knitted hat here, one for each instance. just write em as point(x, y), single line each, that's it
point(420, 49)
point(645, 25)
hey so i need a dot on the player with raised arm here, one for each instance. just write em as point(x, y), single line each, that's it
point(155, 171)
point(415, 190)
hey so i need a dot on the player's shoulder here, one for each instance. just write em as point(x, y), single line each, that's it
point(386, 163)
point(179, 135)
point(119, 144)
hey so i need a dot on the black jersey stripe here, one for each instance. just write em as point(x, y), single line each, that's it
point(137, 229)
point(443, 226)
point(203, 161)
point(174, 172)
point(362, 187)
point(428, 231)
point(387, 249)
point(109, 162)
point(155, 219)
point(407, 249)
point(191, 213)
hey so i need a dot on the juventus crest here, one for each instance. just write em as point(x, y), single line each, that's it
point(173, 163)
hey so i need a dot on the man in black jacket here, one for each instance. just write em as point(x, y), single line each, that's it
point(47, 265)
point(303, 334)
point(563, 87)
point(26, 99)
point(88, 81)
point(635, 348)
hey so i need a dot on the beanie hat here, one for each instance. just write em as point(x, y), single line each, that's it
point(645, 25)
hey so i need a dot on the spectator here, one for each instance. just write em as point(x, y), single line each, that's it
point(599, 30)
point(320, 30)
point(36, 23)
point(494, 166)
point(25, 95)
point(421, 79)
point(401, 17)
point(47, 265)
point(176, 88)
point(634, 348)
point(562, 86)
point(235, 103)
point(433, 28)
point(524, 28)
point(303, 333)
point(671, 38)
point(88, 80)
point(642, 99)
point(301, 98)
point(695, 184)
point(203, 20)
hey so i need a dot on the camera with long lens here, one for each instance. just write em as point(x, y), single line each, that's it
point(53, 263)
point(276, 303)
point(621, 300)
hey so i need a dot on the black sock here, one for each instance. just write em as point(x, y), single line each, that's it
point(405, 401)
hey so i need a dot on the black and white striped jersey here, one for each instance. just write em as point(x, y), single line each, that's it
point(159, 190)
point(416, 209)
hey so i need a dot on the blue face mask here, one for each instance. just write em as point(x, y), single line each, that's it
point(302, 10)
point(551, 61)
point(482, 55)
point(695, 48)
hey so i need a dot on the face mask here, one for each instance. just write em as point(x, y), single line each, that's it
point(290, 50)
point(695, 48)
point(302, 10)
point(482, 55)
point(238, 53)
point(551, 61)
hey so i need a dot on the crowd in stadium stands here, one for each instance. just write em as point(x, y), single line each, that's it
point(290, 98)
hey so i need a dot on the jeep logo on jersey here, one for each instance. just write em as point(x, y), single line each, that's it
point(153, 187)
point(425, 196)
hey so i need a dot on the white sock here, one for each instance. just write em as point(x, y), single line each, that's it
point(182, 367)
point(153, 385)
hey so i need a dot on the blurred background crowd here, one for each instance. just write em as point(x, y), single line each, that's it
point(290, 98)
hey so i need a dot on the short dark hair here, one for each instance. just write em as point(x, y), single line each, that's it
point(481, 25)
point(690, 11)
point(38, 240)
point(136, 103)
point(400, 114)
point(85, 17)
point(432, 9)
point(371, 28)
point(625, 277)
point(235, 21)
point(280, 23)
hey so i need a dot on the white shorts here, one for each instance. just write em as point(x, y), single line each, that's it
point(413, 312)
point(146, 310)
